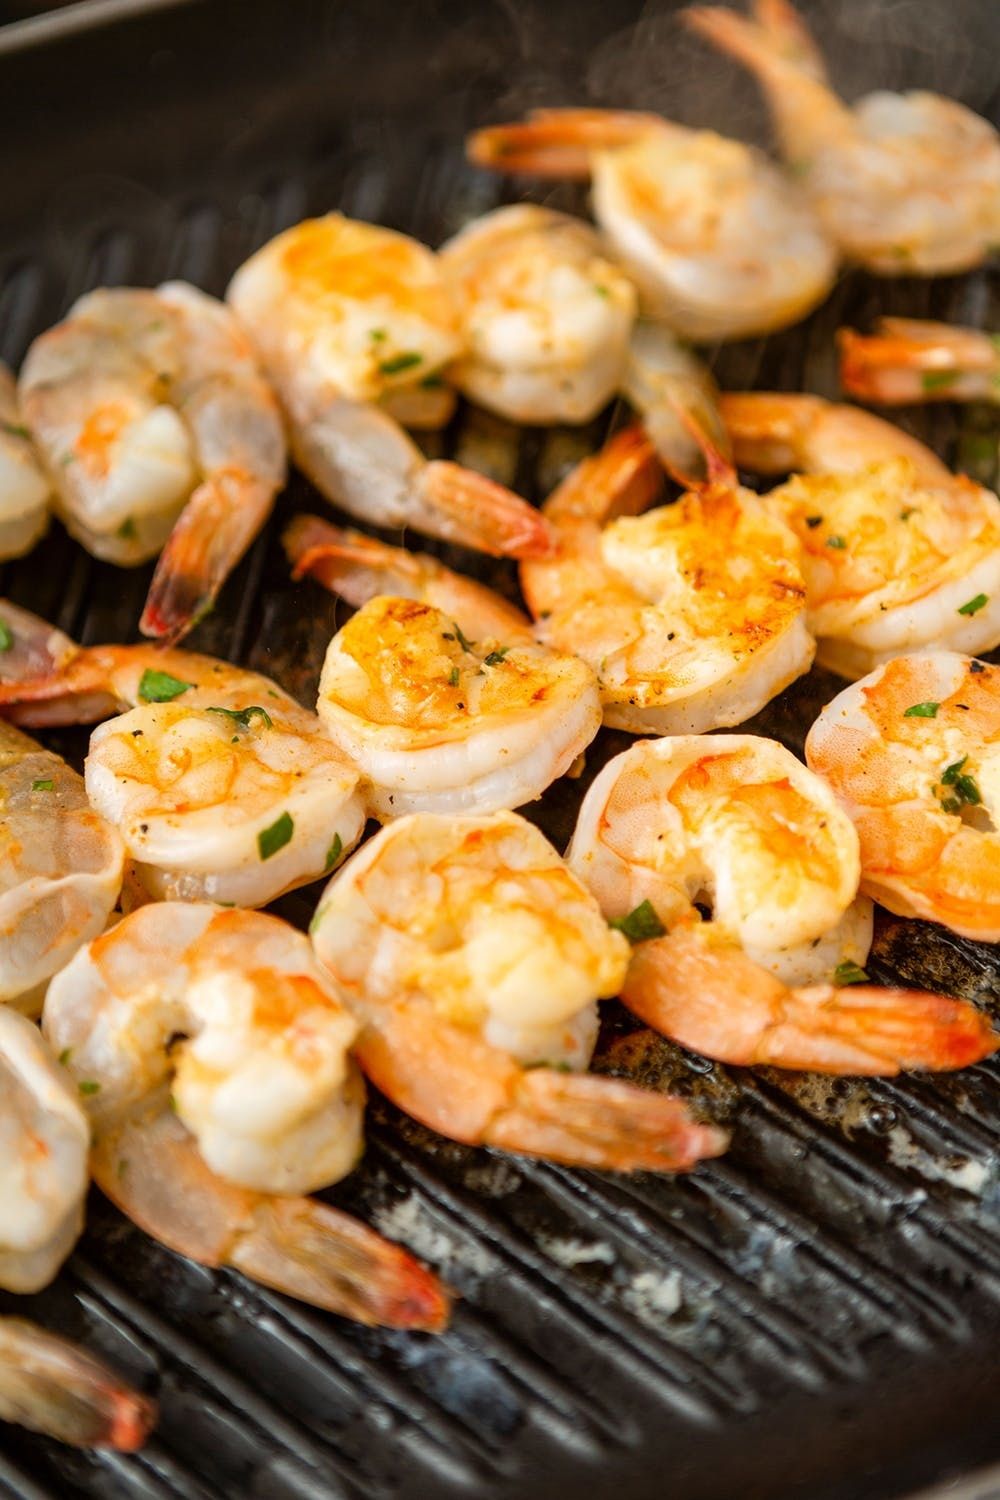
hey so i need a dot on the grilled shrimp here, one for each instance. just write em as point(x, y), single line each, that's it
point(24, 489)
point(53, 1386)
point(738, 823)
point(436, 688)
point(692, 615)
point(907, 360)
point(897, 553)
point(913, 752)
point(159, 432)
point(60, 871)
point(473, 959)
point(719, 243)
point(213, 1057)
point(904, 183)
point(43, 1160)
point(219, 783)
point(346, 315)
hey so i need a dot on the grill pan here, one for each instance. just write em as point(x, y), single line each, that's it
point(817, 1313)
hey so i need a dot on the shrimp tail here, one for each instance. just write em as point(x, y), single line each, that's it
point(45, 678)
point(556, 142)
point(790, 35)
point(55, 1387)
point(710, 439)
point(213, 532)
point(590, 1121)
point(910, 360)
point(344, 561)
point(467, 507)
point(623, 479)
point(324, 1257)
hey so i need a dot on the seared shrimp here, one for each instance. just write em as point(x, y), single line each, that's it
point(913, 752)
point(436, 689)
point(738, 823)
point(692, 615)
point(213, 1057)
point(719, 243)
point(907, 360)
point(904, 183)
point(149, 410)
point(24, 489)
point(54, 1386)
point(219, 783)
point(43, 1160)
point(345, 315)
point(60, 871)
point(473, 958)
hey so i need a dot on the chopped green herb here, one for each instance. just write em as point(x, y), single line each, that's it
point(463, 640)
point(974, 605)
point(921, 711)
point(87, 1086)
point(937, 380)
point(377, 335)
point(172, 1103)
point(122, 1167)
point(64, 1056)
point(67, 459)
point(836, 541)
point(243, 716)
point(849, 973)
point(270, 840)
point(904, 515)
point(127, 530)
point(6, 636)
point(160, 687)
point(15, 429)
point(334, 852)
point(964, 785)
point(641, 924)
point(432, 383)
point(453, 677)
point(400, 362)
point(45, 784)
point(601, 291)
point(495, 657)
point(813, 521)
point(317, 917)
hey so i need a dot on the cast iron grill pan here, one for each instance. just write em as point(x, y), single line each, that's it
point(814, 1315)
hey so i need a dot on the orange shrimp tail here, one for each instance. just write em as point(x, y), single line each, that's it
point(718, 469)
point(345, 562)
point(52, 1385)
point(790, 34)
point(213, 532)
point(479, 513)
point(556, 142)
point(623, 479)
point(47, 679)
point(131, 1419)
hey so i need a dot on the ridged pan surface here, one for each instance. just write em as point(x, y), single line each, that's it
point(817, 1313)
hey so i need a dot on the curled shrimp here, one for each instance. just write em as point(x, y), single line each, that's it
point(737, 823)
point(213, 1056)
point(473, 958)
point(53, 1386)
point(719, 243)
point(692, 614)
point(346, 315)
point(219, 783)
point(43, 1160)
point(436, 688)
point(159, 432)
point(24, 489)
point(909, 360)
point(903, 183)
point(912, 752)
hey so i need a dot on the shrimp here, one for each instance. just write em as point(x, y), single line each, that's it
point(43, 1163)
point(53, 1386)
point(438, 691)
point(213, 1057)
point(736, 822)
point(344, 315)
point(897, 553)
point(913, 753)
point(159, 432)
point(60, 871)
point(692, 615)
point(219, 783)
point(908, 360)
point(473, 959)
point(24, 490)
point(719, 243)
point(903, 183)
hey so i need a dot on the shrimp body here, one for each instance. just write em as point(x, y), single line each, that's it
point(43, 1161)
point(24, 488)
point(908, 360)
point(736, 822)
point(144, 405)
point(719, 243)
point(692, 615)
point(473, 958)
point(53, 1386)
point(904, 183)
point(60, 870)
point(230, 1013)
point(448, 706)
point(923, 787)
point(346, 316)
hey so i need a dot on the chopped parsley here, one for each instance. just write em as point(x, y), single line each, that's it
point(640, 925)
point(937, 380)
point(921, 711)
point(400, 362)
point(243, 716)
point(377, 335)
point(160, 687)
point(964, 789)
point(460, 637)
point(495, 657)
point(601, 291)
point(127, 530)
point(334, 852)
point(453, 676)
point(849, 973)
point(88, 1086)
point(836, 541)
point(973, 606)
point(64, 1056)
point(433, 382)
point(6, 636)
point(904, 515)
point(270, 840)
point(15, 429)
point(45, 784)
